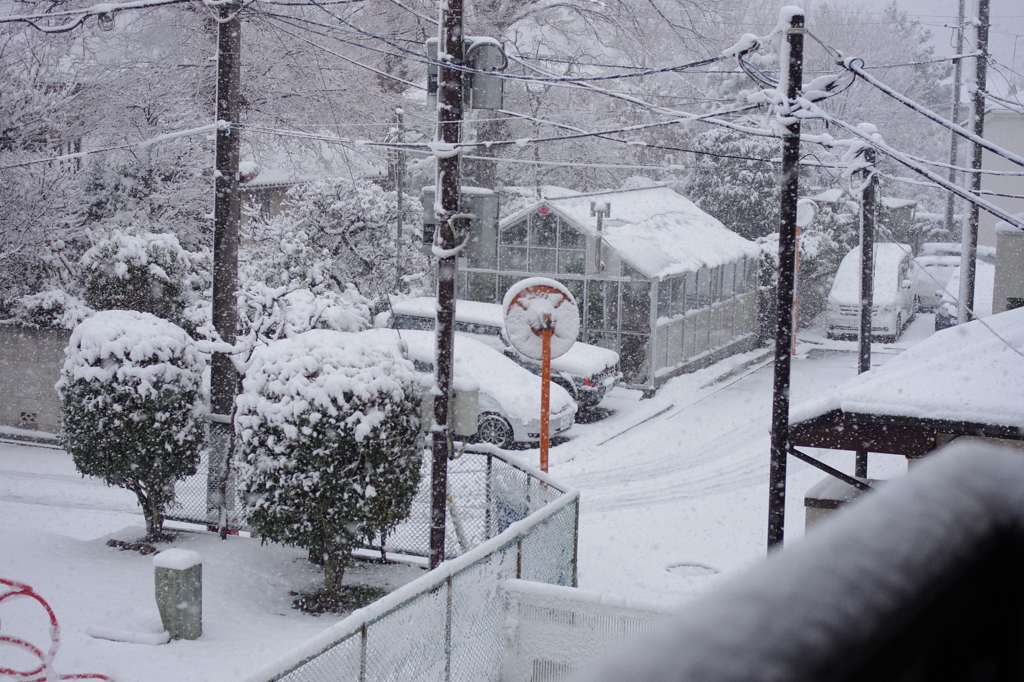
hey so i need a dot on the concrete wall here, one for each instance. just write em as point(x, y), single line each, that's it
point(30, 362)
point(1009, 277)
point(1005, 129)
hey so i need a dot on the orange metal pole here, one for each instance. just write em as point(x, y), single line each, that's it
point(545, 397)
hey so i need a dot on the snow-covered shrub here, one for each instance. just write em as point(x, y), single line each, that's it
point(52, 309)
point(329, 442)
point(128, 269)
point(131, 393)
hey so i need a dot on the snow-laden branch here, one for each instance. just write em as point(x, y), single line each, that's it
point(77, 16)
point(190, 132)
point(850, 63)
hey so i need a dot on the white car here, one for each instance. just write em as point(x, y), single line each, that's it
point(931, 274)
point(893, 294)
point(586, 371)
point(509, 395)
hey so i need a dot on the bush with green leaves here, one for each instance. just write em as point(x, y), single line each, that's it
point(128, 268)
point(131, 393)
point(329, 443)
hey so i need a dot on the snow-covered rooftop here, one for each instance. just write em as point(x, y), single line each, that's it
point(656, 230)
point(969, 373)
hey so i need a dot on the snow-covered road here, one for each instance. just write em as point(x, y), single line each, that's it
point(687, 485)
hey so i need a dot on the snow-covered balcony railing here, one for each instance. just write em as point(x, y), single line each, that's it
point(489, 489)
point(555, 631)
point(450, 623)
point(920, 579)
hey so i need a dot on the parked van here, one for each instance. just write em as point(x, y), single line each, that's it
point(893, 302)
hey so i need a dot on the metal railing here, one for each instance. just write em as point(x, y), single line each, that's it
point(487, 488)
point(450, 623)
point(553, 632)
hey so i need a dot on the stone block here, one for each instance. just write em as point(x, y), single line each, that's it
point(179, 592)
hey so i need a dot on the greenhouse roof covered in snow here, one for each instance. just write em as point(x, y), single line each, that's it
point(965, 380)
point(657, 231)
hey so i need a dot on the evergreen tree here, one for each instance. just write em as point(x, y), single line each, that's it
point(131, 393)
point(329, 442)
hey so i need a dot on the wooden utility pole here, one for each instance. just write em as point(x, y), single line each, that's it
point(793, 61)
point(399, 190)
point(969, 240)
point(868, 211)
point(449, 230)
point(954, 139)
point(226, 211)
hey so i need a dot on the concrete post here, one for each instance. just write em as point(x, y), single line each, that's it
point(179, 592)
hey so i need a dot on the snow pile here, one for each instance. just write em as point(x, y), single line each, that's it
point(177, 559)
point(548, 306)
point(973, 372)
point(138, 349)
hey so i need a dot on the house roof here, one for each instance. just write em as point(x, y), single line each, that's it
point(655, 229)
point(965, 379)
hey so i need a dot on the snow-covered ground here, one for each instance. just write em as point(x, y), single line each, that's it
point(674, 498)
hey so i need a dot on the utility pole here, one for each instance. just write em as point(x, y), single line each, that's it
point(969, 239)
point(868, 211)
point(226, 211)
point(449, 229)
point(793, 61)
point(954, 139)
point(400, 187)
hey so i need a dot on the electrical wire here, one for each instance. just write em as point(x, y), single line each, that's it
point(851, 65)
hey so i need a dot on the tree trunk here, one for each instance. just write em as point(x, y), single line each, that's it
point(334, 571)
point(154, 514)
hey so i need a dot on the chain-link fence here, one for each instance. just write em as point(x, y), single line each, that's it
point(450, 624)
point(487, 491)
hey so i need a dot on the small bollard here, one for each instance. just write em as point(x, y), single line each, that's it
point(179, 592)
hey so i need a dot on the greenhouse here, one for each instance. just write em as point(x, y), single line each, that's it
point(658, 280)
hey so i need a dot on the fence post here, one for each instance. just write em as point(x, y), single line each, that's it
point(576, 544)
point(519, 557)
point(487, 499)
point(362, 654)
point(448, 635)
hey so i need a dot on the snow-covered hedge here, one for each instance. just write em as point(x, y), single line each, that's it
point(135, 270)
point(329, 442)
point(131, 392)
point(52, 309)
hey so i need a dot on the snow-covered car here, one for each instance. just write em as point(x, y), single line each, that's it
point(892, 294)
point(586, 371)
point(509, 395)
point(984, 277)
point(931, 273)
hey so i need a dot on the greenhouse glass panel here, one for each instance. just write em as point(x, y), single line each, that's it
point(570, 238)
point(542, 260)
point(515, 235)
point(544, 230)
point(514, 258)
point(572, 262)
point(728, 280)
point(703, 288)
point(692, 300)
